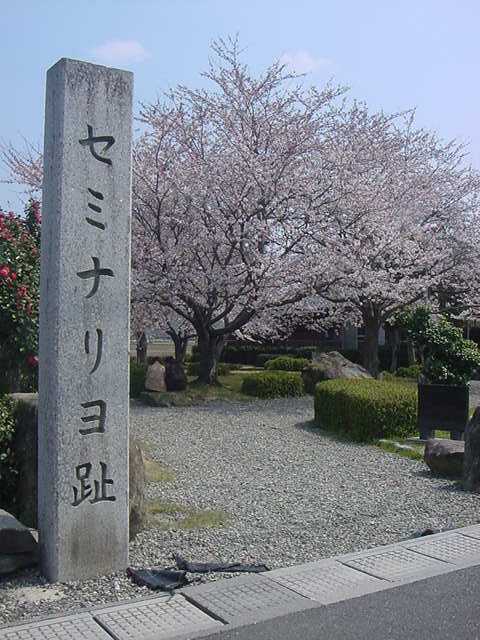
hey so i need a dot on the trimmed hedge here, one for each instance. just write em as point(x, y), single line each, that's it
point(263, 358)
point(367, 409)
point(138, 373)
point(274, 384)
point(286, 363)
point(8, 471)
point(248, 353)
point(193, 368)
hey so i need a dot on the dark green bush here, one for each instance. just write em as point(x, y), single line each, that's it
point(413, 371)
point(193, 368)
point(138, 373)
point(262, 358)
point(274, 384)
point(286, 363)
point(367, 409)
point(8, 470)
point(248, 353)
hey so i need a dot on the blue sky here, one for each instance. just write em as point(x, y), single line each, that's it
point(394, 54)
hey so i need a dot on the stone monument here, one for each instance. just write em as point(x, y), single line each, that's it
point(84, 321)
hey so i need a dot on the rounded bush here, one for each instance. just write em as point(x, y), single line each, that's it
point(275, 384)
point(286, 363)
point(367, 409)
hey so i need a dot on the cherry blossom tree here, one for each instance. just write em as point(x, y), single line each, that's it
point(24, 166)
point(226, 179)
point(404, 223)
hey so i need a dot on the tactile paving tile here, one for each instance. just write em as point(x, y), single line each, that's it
point(327, 582)
point(454, 548)
point(472, 532)
point(395, 564)
point(159, 619)
point(248, 598)
point(68, 628)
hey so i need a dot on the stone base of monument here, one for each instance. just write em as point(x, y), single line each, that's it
point(25, 448)
point(18, 546)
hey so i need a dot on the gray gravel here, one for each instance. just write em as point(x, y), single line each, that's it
point(292, 494)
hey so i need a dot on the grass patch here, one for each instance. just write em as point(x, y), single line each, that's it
point(155, 472)
point(171, 515)
point(400, 449)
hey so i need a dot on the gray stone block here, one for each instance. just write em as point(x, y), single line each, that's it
point(454, 548)
point(246, 599)
point(394, 563)
point(156, 619)
point(81, 626)
point(327, 581)
point(84, 321)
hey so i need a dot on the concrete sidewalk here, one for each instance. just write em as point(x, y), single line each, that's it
point(301, 595)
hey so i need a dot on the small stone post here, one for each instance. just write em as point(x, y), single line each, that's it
point(84, 321)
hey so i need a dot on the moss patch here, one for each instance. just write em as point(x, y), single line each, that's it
point(171, 515)
point(156, 472)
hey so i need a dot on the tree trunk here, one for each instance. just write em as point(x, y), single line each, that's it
point(370, 345)
point(181, 344)
point(210, 349)
point(411, 355)
point(396, 340)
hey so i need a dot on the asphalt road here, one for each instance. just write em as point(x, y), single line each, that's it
point(446, 607)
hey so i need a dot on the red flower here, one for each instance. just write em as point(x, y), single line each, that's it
point(4, 272)
point(32, 360)
point(22, 291)
point(13, 275)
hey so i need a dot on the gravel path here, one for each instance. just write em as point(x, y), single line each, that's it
point(292, 495)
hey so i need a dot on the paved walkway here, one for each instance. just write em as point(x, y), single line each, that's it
point(309, 592)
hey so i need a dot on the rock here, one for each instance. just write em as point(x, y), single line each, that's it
point(175, 376)
point(471, 467)
point(138, 509)
point(155, 379)
point(14, 536)
point(329, 366)
point(445, 457)
point(18, 547)
point(25, 449)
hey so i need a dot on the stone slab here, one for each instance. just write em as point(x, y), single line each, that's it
point(454, 548)
point(327, 581)
point(157, 619)
point(472, 532)
point(84, 321)
point(395, 564)
point(246, 599)
point(81, 627)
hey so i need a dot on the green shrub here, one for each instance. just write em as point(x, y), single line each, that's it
point(448, 357)
point(263, 358)
point(138, 373)
point(367, 409)
point(193, 368)
point(8, 470)
point(286, 363)
point(274, 384)
point(413, 371)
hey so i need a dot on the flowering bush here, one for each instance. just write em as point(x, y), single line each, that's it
point(19, 295)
